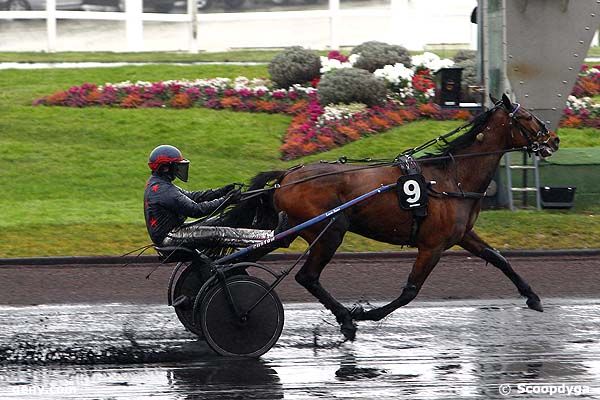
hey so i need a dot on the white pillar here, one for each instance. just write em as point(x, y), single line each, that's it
point(334, 24)
point(134, 25)
point(51, 25)
point(192, 11)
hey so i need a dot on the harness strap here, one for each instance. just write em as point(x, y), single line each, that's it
point(462, 195)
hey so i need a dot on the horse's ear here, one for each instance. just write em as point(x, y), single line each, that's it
point(493, 99)
point(506, 101)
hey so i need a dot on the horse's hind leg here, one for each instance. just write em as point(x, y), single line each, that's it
point(424, 264)
point(474, 244)
point(319, 256)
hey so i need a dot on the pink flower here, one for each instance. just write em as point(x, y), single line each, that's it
point(336, 55)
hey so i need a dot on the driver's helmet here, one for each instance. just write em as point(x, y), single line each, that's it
point(169, 156)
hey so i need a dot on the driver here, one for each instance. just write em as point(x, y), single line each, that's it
point(167, 206)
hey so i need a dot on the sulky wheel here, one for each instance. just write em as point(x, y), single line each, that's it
point(249, 336)
point(185, 287)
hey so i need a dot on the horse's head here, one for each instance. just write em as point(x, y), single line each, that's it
point(527, 130)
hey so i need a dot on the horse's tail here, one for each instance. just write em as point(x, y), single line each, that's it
point(257, 211)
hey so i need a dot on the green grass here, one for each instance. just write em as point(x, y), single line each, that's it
point(594, 51)
point(73, 178)
point(156, 57)
point(167, 57)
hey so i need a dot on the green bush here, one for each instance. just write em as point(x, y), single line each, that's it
point(351, 85)
point(375, 55)
point(469, 72)
point(462, 55)
point(294, 65)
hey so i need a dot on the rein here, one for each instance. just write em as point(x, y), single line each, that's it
point(377, 163)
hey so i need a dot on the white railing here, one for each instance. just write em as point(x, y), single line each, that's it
point(412, 23)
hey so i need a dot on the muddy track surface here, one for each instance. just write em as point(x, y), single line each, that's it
point(105, 332)
point(427, 350)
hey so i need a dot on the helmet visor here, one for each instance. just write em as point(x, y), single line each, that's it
point(180, 169)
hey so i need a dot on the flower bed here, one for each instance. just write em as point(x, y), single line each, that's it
point(580, 110)
point(319, 129)
point(314, 128)
point(240, 94)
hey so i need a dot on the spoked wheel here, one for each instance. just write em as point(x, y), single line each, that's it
point(251, 335)
point(184, 289)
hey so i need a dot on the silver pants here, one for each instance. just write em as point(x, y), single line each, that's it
point(214, 236)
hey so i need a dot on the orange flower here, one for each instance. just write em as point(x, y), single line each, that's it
point(349, 132)
point(407, 115)
point(326, 141)
point(571, 122)
point(132, 101)
point(231, 102)
point(57, 98)
point(380, 123)
point(428, 109)
point(298, 107)
point(181, 100)
point(309, 148)
point(394, 116)
point(363, 127)
point(589, 86)
point(462, 114)
point(93, 96)
point(264, 105)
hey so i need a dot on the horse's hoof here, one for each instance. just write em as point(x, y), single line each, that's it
point(348, 329)
point(357, 313)
point(535, 304)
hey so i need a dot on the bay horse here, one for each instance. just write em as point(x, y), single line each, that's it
point(463, 167)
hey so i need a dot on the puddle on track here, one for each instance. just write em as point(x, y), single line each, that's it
point(429, 350)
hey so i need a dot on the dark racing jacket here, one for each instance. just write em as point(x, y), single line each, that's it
point(167, 206)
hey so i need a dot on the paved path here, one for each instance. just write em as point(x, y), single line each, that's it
point(455, 277)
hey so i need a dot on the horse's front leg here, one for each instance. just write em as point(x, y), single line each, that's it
point(424, 264)
point(308, 276)
point(477, 246)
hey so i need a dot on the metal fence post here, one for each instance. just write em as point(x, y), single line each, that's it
point(51, 25)
point(334, 24)
point(134, 25)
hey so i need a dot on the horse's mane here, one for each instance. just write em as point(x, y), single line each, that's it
point(461, 142)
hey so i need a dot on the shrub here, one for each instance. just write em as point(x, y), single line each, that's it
point(462, 55)
point(351, 85)
point(294, 65)
point(375, 55)
point(469, 72)
point(467, 60)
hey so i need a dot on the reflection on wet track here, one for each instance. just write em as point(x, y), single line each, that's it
point(428, 350)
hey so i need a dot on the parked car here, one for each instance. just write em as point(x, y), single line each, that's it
point(39, 5)
point(163, 6)
point(15, 5)
point(205, 4)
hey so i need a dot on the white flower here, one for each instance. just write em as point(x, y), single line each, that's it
point(431, 61)
point(395, 74)
point(331, 64)
point(302, 89)
point(333, 112)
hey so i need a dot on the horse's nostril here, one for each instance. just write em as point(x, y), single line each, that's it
point(557, 139)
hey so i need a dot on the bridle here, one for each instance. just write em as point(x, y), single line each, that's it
point(532, 138)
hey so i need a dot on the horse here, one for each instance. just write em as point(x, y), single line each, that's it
point(462, 169)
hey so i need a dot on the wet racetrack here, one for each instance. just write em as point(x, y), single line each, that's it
point(427, 350)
